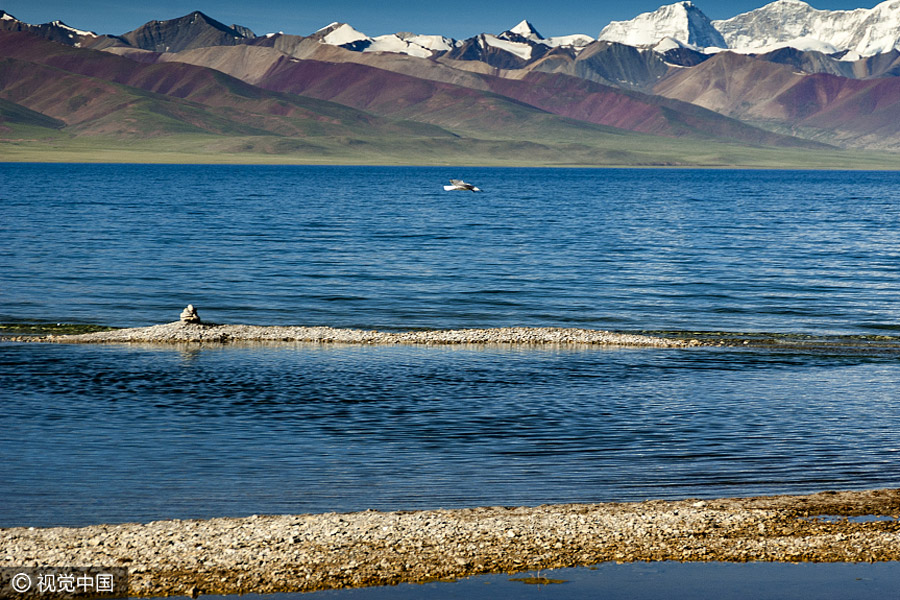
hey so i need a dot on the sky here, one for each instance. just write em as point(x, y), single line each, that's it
point(460, 19)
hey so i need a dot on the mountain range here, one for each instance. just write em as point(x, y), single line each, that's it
point(785, 82)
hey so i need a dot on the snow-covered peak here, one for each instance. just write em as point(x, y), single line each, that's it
point(5, 16)
point(339, 34)
point(681, 21)
point(328, 28)
point(865, 31)
point(526, 30)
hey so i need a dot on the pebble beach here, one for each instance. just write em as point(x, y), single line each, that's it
point(292, 553)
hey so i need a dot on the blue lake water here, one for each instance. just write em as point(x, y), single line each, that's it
point(649, 581)
point(120, 433)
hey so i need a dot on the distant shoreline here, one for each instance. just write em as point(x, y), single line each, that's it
point(294, 553)
point(887, 163)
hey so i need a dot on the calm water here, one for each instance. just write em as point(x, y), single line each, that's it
point(119, 433)
point(650, 581)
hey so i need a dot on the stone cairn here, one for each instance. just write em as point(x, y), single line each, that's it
point(189, 315)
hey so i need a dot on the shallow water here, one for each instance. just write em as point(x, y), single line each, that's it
point(649, 581)
point(124, 433)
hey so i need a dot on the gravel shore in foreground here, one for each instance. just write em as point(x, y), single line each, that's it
point(263, 554)
point(180, 333)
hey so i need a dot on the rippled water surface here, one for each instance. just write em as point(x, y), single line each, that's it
point(119, 433)
point(387, 247)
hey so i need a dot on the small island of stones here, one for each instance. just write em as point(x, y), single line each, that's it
point(189, 329)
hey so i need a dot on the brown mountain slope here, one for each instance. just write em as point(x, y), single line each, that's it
point(608, 63)
point(467, 110)
point(229, 106)
point(596, 103)
point(199, 111)
point(91, 106)
point(733, 84)
point(837, 110)
point(195, 30)
point(470, 106)
point(462, 109)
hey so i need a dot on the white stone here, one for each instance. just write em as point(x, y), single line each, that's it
point(189, 315)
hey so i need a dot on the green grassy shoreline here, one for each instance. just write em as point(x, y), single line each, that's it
point(632, 150)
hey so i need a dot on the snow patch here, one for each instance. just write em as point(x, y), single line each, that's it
point(8, 17)
point(62, 25)
point(518, 48)
point(437, 43)
point(804, 44)
point(666, 44)
point(421, 46)
point(576, 40)
point(393, 43)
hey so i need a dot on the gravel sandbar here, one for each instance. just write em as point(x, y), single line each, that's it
point(325, 551)
point(180, 333)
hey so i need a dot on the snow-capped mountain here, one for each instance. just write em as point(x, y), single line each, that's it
point(522, 41)
point(682, 22)
point(525, 32)
point(784, 23)
point(55, 30)
point(345, 36)
point(680, 33)
point(863, 31)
